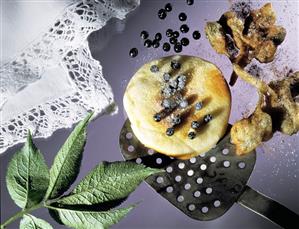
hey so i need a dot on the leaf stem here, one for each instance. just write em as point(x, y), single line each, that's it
point(20, 214)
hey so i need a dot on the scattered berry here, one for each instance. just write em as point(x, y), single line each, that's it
point(175, 34)
point(198, 106)
point(166, 47)
point(144, 34)
point(168, 7)
point(162, 14)
point(170, 131)
point(196, 35)
point(169, 32)
point(182, 17)
point(154, 69)
point(158, 36)
point(185, 41)
point(184, 28)
point(191, 135)
point(156, 43)
point(157, 117)
point(189, 2)
point(178, 47)
point(133, 52)
point(173, 40)
point(148, 43)
point(195, 125)
point(183, 104)
point(166, 77)
point(176, 120)
point(175, 65)
point(208, 118)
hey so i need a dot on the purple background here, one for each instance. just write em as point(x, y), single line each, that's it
point(276, 172)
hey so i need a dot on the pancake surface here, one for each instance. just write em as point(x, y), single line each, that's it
point(204, 83)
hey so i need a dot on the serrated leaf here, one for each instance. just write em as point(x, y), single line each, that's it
point(31, 222)
point(84, 219)
point(67, 162)
point(27, 176)
point(108, 182)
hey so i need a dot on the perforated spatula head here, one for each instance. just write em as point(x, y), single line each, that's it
point(203, 187)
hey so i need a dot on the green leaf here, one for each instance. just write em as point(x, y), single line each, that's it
point(84, 219)
point(27, 176)
point(108, 182)
point(67, 162)
point(31, 222)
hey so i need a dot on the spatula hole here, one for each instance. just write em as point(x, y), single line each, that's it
point(150, 151)
point(192, 160)
point(169, 189)
point(129, 135)
point(213, 159)
point(169, 169)
point(190, 173)
point(181, 165)
point(160, 180)
point(225, 151)
point(191, 207)
point(217, 203)
point(202, 155)
point(180, 198)
point(187, 186)
point(203, 167)
point(204, 209)
point(159, 161)
point(178, 178)
point(241, 165)
point(131, 148)
point(226, 164)
point(197, 194)
point(209, 190)
point(138, 160)
point(199, 180)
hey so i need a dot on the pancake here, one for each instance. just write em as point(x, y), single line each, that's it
point(204, 84)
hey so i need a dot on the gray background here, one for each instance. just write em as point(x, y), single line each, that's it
point(276, 171)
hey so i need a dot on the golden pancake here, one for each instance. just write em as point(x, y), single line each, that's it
point(204, 84)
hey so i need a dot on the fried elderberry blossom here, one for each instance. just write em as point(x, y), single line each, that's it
point(242, 40)
point(277, 110)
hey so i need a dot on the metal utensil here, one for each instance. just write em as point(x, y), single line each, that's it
point(206, 186)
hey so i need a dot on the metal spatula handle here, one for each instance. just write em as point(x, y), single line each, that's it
point(268, 208)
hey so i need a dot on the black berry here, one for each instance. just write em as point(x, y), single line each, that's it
point(144, 34)
point(133, 52)
point(208, 118)
point(157, 117)
point(176, 34)
point(195, 125)
point(148, 43)
point(175, 65)
point(156, 43)
point(168, 7)
point(191, 135)
point(173, 40)
point(169, 32)
point(178, 47)
point(166, 47)
point(196, 35)
point(182, 17)
point(162, 14)
point(189, 2)
point(184, 28)
point(185, 41)
point(158, 36)
point(170, 131)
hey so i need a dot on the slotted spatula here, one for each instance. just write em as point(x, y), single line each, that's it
point(206, 186)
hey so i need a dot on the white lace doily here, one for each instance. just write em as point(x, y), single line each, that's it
point(55, 81)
